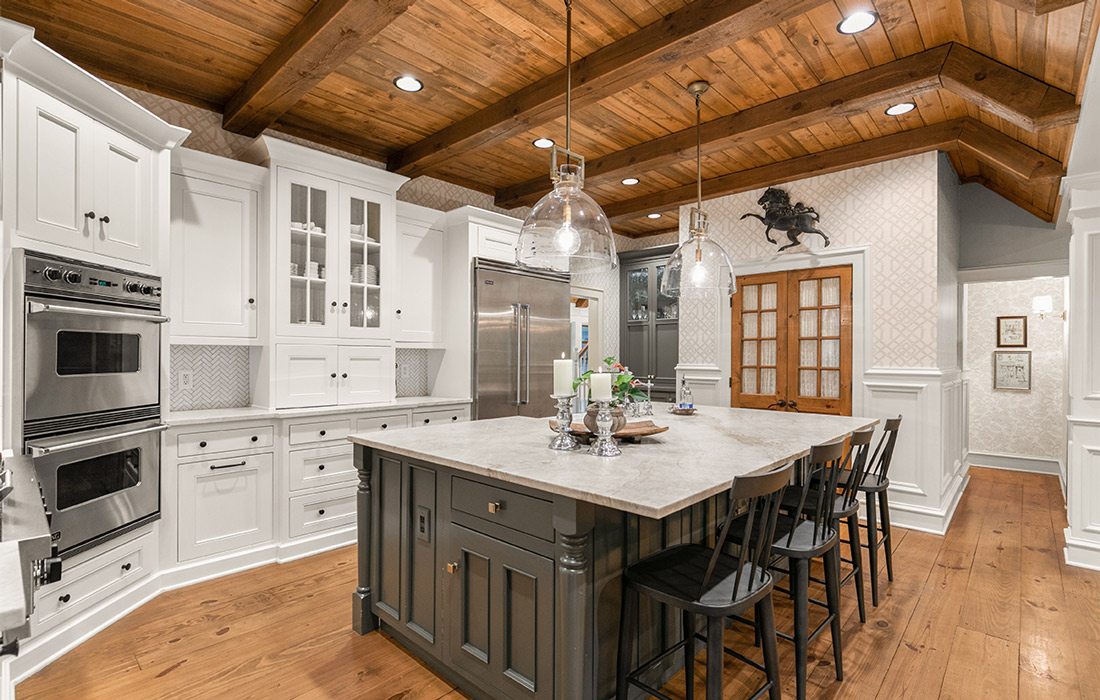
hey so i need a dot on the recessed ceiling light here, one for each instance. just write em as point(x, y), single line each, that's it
point(900, 109)
point(857, 22)
point(630, 181)
point(408, 83)
point(543, 143)
point(654, 215)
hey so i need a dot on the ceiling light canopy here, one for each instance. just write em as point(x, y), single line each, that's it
point(567, 230)
point(699, 267)
point(857, 22)
point(408, 83)
point(900, 109)
point(543, 143)
point(630, 181)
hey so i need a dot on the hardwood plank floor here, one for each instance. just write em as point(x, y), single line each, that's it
point(988, 611)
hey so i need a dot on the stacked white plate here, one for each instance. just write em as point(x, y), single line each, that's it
point(294, 269)
point(357, 231)
point(372, 274)
point(357, 273)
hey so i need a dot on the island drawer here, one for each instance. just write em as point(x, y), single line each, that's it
point(513, 510)
point(436, 417)
point(213, 441)
point(321, 466)
point(319, 431)
point(372, 424)
point(322, 511)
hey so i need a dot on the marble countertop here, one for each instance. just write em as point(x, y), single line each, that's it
point(175, 418)
point(697, 458)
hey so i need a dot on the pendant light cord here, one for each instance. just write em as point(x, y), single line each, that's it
point(568, 78)
point(698, 155)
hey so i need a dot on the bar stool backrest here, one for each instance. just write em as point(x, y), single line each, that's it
point(884, 451)
point(823, 469)
point(859, 447)
point(763, 493)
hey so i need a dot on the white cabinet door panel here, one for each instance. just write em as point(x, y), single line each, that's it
point(419, 317)
point(213, 281)
point(225, 504)
point(496, 244)
point(306, 375)
point(366, 374)
point(123, 193)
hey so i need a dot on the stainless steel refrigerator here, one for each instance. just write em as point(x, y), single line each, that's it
point(521, 325)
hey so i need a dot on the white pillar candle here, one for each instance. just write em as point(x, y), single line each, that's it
point(600, 386)
point(563, 377)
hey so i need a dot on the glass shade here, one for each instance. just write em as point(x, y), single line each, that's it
point(566, 230)
point(699, 265)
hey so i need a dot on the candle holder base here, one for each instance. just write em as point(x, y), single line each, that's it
point(564, 440)
point(604, 444)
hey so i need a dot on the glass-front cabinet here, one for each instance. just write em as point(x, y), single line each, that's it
point(332, 247)
point(649, 328)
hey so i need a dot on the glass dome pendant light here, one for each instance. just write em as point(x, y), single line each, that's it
point(699, 266)
point(567, 230)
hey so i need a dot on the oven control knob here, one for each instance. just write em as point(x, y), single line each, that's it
point(53, 274)
point(146, 289)
point(132, 287)
point(73, 277)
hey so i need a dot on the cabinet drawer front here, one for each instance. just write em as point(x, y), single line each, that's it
point(373, 424)
point(321, 466)
point(453, 415)
point(321, 431)
point(211, 442)
point(95, 579)
point(322, 511)
point(508, 508)
point(225, 504)
point(496, 244)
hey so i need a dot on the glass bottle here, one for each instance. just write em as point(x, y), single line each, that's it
point(686, 399)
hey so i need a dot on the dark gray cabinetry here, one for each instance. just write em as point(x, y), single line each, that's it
point(650, 322)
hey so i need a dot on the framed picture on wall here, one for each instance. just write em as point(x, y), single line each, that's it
point(1012, 370)
point(1012, 331)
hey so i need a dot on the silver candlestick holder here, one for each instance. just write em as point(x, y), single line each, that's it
point(604, 445)
point(564, 440)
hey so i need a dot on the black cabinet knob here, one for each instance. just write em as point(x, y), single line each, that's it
point(65, 598)
point(345, 305)
point(89, 215)
point(251, 300)
point(344, 375)
point(427, 420)
point(320, 467)
point(202, 444)
point(255, 438)
point(105, 219)
point(454, 417)
point(321, 512)
point(399, 312)
point(334, 304)
point(333, 375)
point(322, 433)
point(385, 425)
point(126, 566)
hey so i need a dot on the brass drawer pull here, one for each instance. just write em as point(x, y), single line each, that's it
point(496, 506)
point(452, 567)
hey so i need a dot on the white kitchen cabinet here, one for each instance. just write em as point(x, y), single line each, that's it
point(366, 374)
point(418, 318)
point(497, 243)
point(225, 504)
point(306, 231)
point(82, 185)
point(212, 287)
point(366, 261)
point(306, 375)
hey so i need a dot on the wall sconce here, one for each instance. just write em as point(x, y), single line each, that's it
point(1044, 306)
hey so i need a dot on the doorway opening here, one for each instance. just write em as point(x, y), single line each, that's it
point(585, 336)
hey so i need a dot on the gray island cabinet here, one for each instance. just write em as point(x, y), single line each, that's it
point(497, 561)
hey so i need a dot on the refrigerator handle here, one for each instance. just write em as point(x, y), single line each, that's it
point(516, 319)
point(527, 352)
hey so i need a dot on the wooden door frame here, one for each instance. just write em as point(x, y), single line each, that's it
point(859, 257)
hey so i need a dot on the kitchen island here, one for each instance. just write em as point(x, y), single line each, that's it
point(497, 561)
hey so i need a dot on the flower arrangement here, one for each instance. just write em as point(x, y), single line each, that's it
point(624, 386)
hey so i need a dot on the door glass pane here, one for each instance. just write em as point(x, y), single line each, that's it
point(830, 353)
point(767, 381)
point(767, 353)
point(830, 322)
point(830, 384)
point(807, 382)
point(667, 307)
point(807, 353)
point(88, 479)
point(808, 323)
point(768, 295)
point(748, 381)
point(364, 261)
point(750, 297)
point(748, 325)
point(308, 254)
point(748, 352)
point(767, 324)
point(86, 352)
point(830, 291)
point(807, 293)
point(638, 294)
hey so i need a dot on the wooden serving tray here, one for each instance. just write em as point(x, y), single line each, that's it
point(637, 429)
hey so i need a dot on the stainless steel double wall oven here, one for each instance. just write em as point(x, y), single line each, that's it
point(91, 388)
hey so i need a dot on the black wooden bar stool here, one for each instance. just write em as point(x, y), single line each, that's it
point(875, 486)
point(699, 580)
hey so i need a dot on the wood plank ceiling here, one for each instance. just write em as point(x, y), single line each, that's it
point(997, 85)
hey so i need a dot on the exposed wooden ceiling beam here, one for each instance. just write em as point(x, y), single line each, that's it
point(1040, 7)
point(845, 97)
point(1012, 95)
point(691, 31)
point(1015, 96)
point(327, 36)
point(983, 142)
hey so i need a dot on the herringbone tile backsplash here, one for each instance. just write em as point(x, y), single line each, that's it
point(219, 377)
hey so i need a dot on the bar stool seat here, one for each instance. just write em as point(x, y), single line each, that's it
point(672, 577)
point(808, 540)
point(873, 483)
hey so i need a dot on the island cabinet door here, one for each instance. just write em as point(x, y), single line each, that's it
point(500, 608)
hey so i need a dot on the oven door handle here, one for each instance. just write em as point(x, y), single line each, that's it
point(40, 450)
point(37, 307)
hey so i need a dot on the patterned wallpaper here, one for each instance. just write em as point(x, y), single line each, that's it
point(889, 206)
point(219, 377)
point(1025, 424)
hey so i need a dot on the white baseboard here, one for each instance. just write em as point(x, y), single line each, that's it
point(931, 520)
point(39, 652)
point(1016, 463)
point(1082, 553)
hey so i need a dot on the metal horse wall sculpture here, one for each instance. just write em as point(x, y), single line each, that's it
point(781, 215)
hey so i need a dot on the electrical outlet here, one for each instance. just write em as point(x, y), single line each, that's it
point(186, 380)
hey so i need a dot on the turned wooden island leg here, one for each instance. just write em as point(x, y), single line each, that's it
point(362, 619)
point(574, 627)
